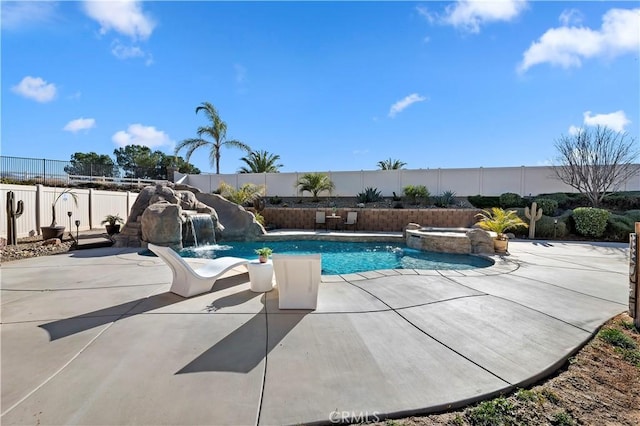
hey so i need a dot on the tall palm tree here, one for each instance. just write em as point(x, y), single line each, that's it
point(260, 162)
point(217, 130)
point(315, 183)
point(391, 164)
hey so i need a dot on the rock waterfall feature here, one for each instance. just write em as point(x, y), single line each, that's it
point(164, 215)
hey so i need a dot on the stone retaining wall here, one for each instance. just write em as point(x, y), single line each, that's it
point(386, 220)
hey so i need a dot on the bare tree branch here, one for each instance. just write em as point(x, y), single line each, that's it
point(596, 161)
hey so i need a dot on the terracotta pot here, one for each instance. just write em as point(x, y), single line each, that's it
point(500, 246)
point(263, 259)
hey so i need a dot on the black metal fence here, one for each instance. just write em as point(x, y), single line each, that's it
point(64, 173)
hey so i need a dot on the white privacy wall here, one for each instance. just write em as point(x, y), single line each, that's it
point(92, 207)
point(490, 181)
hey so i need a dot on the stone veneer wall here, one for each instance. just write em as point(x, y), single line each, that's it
point(389, 220)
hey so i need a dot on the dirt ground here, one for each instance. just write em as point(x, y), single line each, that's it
point(600, 385)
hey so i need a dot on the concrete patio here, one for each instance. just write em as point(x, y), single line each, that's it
point(93, 337)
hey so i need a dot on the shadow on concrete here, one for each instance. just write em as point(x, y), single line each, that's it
point(244, 349)
point(79, 323)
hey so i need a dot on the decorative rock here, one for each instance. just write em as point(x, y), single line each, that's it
point(239, 224)
point(52, 242)
point(161, 224)
point(481, 241)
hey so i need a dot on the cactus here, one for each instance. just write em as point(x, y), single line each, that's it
point(12, 215)
point(533, 215)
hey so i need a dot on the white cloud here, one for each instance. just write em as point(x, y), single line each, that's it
point(17, 15)
point(404, 103)
point(137, 134)
point(470, 15)
point(35, 88)
point(570, 17)
point(616, 121)
point(124, 17)
point(574, 130)
point(568, 46)
point(80, 124)
point(121, 51)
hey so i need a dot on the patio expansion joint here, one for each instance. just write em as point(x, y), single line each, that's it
point(570, 289)
point(397, 312)
point(73, 358)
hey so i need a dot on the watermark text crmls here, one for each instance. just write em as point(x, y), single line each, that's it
point(354, 416)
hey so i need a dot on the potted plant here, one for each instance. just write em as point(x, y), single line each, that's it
point(499, 221)
point(263, 254)
point(54, 231)
point(112, 222)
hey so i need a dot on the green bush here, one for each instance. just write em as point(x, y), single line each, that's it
point(619, 227)
point(547, 228)
point(370, 195)
point(275, 200)
point(548, 206)
point(590, 222)
point(510, 200)
point(483, 202)
point(559, 197)
point(416, 193)
point(622, 201)
point(446, 199)
point(634, 215)
point(521, 231)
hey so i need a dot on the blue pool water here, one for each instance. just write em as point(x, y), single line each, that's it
point(346, 257)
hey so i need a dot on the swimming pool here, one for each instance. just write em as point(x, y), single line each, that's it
point(340, 257)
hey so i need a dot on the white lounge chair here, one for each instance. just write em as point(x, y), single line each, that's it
point(352, 220)
point(298, 278)
point(188, 281)
point(320, 220)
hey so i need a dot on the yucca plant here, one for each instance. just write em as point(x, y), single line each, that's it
point(499, 221)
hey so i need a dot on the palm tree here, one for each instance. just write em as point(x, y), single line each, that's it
point(217, 130)
point(315, 183)
point(391, 164)
point(260, 162)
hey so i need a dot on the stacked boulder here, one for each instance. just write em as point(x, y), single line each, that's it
point(158, 216)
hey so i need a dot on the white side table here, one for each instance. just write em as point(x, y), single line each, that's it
point(261, 276)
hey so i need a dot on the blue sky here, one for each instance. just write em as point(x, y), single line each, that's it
point(328, 86)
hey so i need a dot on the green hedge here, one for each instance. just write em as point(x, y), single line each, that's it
point(483, 202)
point(590, 222)
point(619, 227)
point(548, 206)
point(511, 200)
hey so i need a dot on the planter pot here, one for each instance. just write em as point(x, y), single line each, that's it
point(112, 229)
point(500, 246)
point(263, 259)
point(49, 232)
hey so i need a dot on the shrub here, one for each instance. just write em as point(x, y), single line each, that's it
point(446, 199)
point(483, 202)
point(559, 197)
point(619, 227)
point(622, 201)
point(590, 221)
point(275, 200)
point(634, 215)
point(510, 199)
point(548, 206)
point(370, 195)
point(522, 230)
point(547, 228)
point(416, 193)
